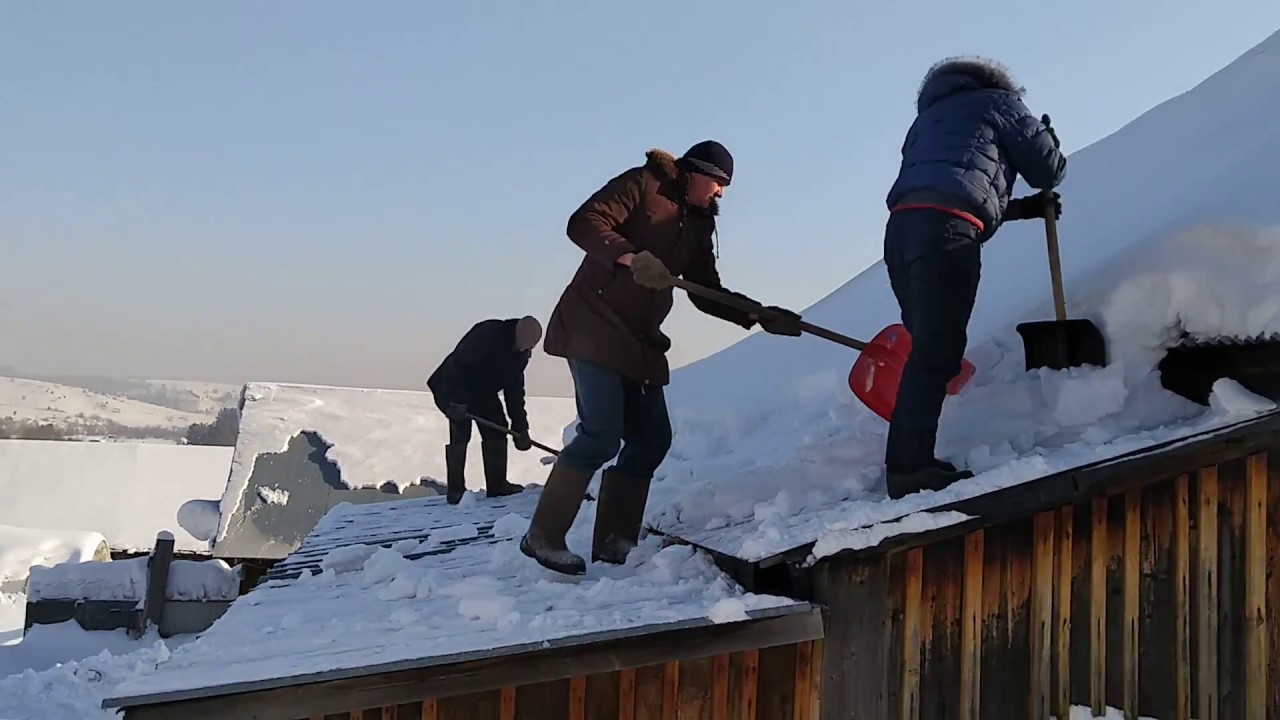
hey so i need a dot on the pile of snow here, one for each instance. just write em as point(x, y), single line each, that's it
point(60, 672)
point(1170, 226)
point(376, 436)
point(127, 580)
point(128, 491)
point(21, 549)
point(373, 605)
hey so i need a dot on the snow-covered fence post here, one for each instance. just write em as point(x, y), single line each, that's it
point(157, 582)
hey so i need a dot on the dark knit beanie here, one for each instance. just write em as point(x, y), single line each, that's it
point(709, 158)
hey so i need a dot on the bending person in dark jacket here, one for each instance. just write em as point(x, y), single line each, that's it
point(645, 226)
point(489, 359)
point(971, 139)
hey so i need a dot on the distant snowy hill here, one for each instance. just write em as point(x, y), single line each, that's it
point(1170, 225)
point(64, 405)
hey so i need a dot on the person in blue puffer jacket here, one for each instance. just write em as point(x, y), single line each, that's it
point(971, 139)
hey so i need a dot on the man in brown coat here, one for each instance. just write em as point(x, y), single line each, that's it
point(644, 227)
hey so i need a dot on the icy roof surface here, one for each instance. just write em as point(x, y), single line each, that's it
point(452, 582)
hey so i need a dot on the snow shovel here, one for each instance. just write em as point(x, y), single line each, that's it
point(875, 375)
point(1060, 343)
point(495, 426)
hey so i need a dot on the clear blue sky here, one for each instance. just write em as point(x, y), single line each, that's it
point(333, 192)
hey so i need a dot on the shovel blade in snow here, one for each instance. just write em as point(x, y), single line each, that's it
point(1060, 344)
point(875, 376)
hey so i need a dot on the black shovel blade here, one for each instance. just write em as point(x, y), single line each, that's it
point(1059, 344)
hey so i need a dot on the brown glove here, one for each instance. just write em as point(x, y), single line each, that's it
point(648, 271)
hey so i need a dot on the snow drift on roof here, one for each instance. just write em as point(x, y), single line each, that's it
point(1170, 225)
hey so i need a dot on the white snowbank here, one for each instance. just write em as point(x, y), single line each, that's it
point(377, 436)
point(1170, 225)
point(374, 605)
point(60, 672)
point(127, 580)
point(128, 491)
point(21, 549)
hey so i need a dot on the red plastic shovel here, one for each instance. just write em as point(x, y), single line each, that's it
point(874, 378)
point(875, 375)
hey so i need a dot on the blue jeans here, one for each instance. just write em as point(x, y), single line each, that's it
point(934, 263)
point(616, 413)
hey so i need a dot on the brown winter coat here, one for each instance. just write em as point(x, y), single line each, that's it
point(603, 316)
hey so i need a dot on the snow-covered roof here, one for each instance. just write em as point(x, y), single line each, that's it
point(418, 583)
point(128, 491)
point(376, 436)
point(1169, 226)
point(815, 533)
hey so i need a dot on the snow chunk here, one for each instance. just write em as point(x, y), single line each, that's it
point(273, 495)
point(510, 525)
point(837, 538)
point(383, 565)
point(199, 518)
point(1230, 398)
point(347, 559)
point(728, 610)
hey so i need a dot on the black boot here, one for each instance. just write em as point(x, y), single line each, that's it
point(902, 484)
point(557, 507)
point(455, 463)
point(494, 453)
point(619, 513)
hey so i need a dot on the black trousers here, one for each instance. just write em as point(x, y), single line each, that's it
point(488, 407)
point(934, 262)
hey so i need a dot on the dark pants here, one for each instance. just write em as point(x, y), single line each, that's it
point(934, 262)
point(613, 413)
point(488, 407)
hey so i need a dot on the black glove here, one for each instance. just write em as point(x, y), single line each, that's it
point(781, 322)
point(522, 441)
point(1052, 133)
point(1032, 207)
point(457, 412)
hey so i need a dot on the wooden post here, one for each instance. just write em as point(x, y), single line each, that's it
point(157, 584)
point(1100, 553)
point(1255, 588)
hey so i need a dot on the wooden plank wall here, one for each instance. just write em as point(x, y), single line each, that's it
point(1161, 601)
point(775, 683)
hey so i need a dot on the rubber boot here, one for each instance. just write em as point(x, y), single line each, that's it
point(455, 463)
point(619, 513)
point(932, 477)
point(557, 507)
point(494, 453)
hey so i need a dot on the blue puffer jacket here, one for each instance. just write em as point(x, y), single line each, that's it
point(971, 139)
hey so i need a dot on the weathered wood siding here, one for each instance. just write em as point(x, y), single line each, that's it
point(1160, 600)
point(775, 683)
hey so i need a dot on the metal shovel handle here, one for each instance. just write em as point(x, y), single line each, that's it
point(512, 433)
point(758, 310)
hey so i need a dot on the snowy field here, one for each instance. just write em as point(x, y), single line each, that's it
point(56, 403)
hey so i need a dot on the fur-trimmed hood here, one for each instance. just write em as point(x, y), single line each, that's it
point(667, 168)
point(958, 74)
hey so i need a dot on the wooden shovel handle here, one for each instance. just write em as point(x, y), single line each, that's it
point(1051, 237)
point(758, 310)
